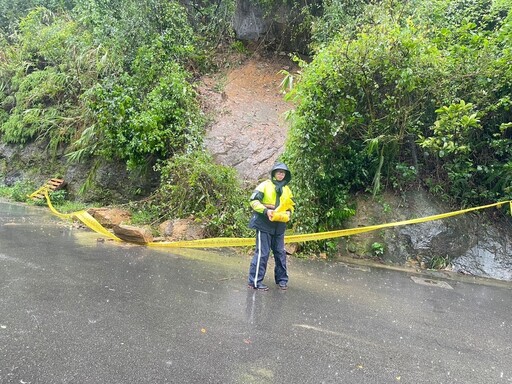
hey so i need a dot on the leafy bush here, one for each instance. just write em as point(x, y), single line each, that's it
point(148, 111)
point(377, 249)
point(124, 26)
point(357, 102)
point(213, 23)
point(59, 197)
point(45, 71)
point(11, 11)
point(19, 191)
point(193, 185)
point(371, 94)
point(337, 15)
point(140, 127)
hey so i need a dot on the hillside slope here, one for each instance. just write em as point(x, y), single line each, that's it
point(248, 130)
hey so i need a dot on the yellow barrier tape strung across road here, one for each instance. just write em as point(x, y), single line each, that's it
point(43, 189)
point(84, 217)
point(220, 242)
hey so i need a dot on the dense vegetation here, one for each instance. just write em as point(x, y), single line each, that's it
point(113, 81)
point(392, 95)
point(401, 94)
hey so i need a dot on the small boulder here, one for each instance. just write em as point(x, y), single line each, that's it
point(166, 228)
point(291, 248)
point(182, 229)
point(133, 234)
point(110, 217)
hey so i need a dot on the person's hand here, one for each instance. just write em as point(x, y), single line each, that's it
point(270, 214)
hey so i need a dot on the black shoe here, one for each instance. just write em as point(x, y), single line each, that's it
point(260, 287)
point(283, 286)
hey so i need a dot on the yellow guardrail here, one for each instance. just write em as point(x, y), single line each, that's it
point(220, 242)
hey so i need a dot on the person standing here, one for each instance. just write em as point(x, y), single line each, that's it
point(272, 207)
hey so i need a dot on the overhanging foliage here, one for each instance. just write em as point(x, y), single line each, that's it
point(374, 102)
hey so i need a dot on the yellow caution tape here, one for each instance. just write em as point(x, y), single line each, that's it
point(84, 217)
point(216, 242)
point(43, 189)
point(354, 231)
point(220, 242)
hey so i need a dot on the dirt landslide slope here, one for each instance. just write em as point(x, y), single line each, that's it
point(248, 130)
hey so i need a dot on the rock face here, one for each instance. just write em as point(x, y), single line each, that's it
point(274, 24)
point(488, 255)
point(249, 130)
point(248, 21)
point(36, 164)
point(16, 163)
point(473, 243)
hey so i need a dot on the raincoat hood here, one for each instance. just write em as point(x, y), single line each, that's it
point(281, 166)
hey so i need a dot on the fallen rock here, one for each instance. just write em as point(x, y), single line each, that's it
point(291, 248)
point(133, 234)
point(182, 229)
point(110, 217)
point(166, 228)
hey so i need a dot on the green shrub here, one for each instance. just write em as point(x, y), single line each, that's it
point(192, 185)
point(358, 102)
point(397, 78)
point(377, 249)
point(58, 198)
point(44, 70)
point(136, 124)
point(21, 190)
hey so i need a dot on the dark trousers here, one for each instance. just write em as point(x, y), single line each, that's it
point(265, 242)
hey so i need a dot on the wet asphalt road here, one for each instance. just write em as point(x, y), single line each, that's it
point(77, 310)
